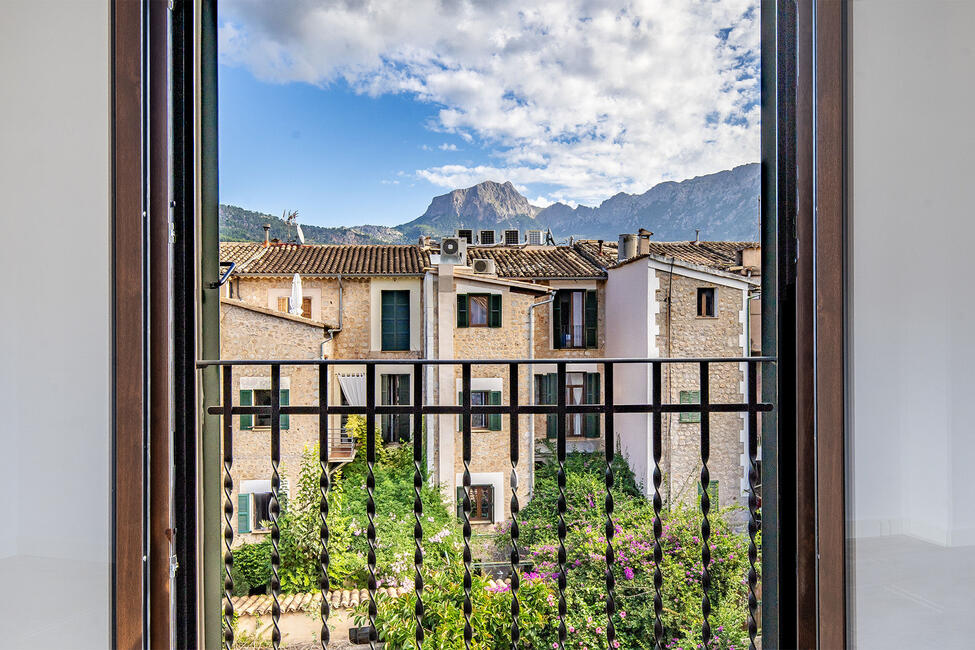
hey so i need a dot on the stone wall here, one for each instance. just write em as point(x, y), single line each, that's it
point(248, 334)
point(682, 333)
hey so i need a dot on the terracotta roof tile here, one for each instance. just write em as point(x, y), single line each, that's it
point(720, 255)
point(538, 262)
point(330, 259)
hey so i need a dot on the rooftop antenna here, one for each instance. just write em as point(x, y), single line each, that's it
point(291, 218)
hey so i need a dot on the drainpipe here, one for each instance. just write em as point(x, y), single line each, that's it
point(334, 330)
point(531, 389)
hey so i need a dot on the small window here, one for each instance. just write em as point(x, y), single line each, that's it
point(690, 397)
point(479, 311)
point(395, 321)
point(262, 397)
point(395, 391)
point(705, 302)
point(482, 503)
point(479, 398)
point(305, 305)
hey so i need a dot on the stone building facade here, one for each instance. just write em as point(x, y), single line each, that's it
point(584, 309)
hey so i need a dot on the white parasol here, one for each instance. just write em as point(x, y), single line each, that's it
point(294, 303)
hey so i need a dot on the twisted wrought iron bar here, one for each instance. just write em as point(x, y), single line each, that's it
point(418, 448)
point(705, 506)
point(658, 579)
point(274, 510)
point(610, 437)
point(752, 504)
point(370, 500)
point(560, 454)
point(324, 484)
point(515, 557)
point(228, 507)
point(468, 558)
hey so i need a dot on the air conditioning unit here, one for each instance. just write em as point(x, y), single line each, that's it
point(466, 234)
point(453, 250)
point(485, 266)
point(486, 237)
point(535, 237)
point(512, 237)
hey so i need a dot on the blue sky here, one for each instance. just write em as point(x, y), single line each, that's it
point(358, 113)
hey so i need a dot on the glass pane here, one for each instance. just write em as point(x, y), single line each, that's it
point(911, 514)
point(479, 310)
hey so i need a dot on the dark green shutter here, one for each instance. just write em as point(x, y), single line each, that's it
point(690, 397)
point(557, 328)
point(460, 418)
point(285, 401)
point(550, 384)
point(494, 419)
point(463, 313)
point(460, 501)
point(385, 420)
point(494, 317)
point(591, 426)
point(246, 399)
point(490, 512)
point(395, 320)
point(592, 318)
point(403, 420)
point(243, 513)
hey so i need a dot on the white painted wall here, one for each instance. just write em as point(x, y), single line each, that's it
point(913, 310)
point(631, 292)
point(55, 330)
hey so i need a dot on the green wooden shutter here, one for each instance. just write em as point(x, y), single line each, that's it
point(591, 425)
point(243, 513)
point(460, 418)
point(463, 313)
point(690, 397)
point(403, 420)
point(385, 420)
point(460, 501)
point(494, 317)
point(285, 401)
point(557, 329)
point(592, 319)
point(490, 512)
point(494, 419)
point(246, 399)
point(395, 320)
point(551, 397)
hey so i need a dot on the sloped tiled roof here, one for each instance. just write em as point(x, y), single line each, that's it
point(720, 255)
point(238, 252)
point(538, 262)
point(330, 259)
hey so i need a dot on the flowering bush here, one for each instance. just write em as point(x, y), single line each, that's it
point(443, 618)
point(633, 563)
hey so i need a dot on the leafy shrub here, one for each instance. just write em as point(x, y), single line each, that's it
point(252, 567)
point(634, 568)
point(443, 619)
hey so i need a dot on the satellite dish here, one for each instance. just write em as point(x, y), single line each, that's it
point(301, 235)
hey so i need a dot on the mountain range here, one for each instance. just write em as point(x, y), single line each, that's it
point(724, 205)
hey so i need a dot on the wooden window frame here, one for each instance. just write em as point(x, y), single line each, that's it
point(702, 293)
point(484, 518)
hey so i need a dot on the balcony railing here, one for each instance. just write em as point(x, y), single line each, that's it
point(608, 409)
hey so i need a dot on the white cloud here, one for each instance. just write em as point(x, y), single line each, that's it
point(588, 98)
point(448, 147)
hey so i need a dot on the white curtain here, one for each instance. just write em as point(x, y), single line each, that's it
point(354, 389)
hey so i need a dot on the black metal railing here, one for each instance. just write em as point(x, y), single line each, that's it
point(655, 407)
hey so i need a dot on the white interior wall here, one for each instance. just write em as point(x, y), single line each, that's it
point(55, 330)
point(913, 317)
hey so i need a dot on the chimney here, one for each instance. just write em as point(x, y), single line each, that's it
point(643, 245)
point(267, 234)
point(627, 247)
point(697, 235)
point(600, 246)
